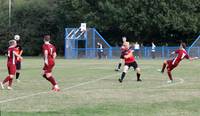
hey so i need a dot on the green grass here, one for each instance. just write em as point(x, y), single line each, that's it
point(90, 88)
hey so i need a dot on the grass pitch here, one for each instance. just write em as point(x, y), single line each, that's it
point(90, 88)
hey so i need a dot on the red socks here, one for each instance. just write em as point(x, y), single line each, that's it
point(50, 79)
point(6, 79)
point(170, 75)
point(9, 80)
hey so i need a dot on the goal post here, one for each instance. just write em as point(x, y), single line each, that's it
point(82, 43)
point(194, 49)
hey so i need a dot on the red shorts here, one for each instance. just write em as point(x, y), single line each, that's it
point(170, 65)
point(11, 69)
point(48, 68)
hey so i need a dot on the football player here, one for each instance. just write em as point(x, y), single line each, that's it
point(129, 62)
point(11, 64)
point(181, 54)
point(49, 52)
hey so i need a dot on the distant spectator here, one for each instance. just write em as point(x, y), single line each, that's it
point(153, 50)
point(137, 50)
point(99, 50)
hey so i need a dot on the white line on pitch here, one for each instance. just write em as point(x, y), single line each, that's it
point(171, 84)
point(78, 85)
point(40, 93)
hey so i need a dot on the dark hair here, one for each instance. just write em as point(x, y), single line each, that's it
point(183, 45)
point(47, 37)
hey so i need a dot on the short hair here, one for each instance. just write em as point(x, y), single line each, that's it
point(183, 45)
point(12, 42)
point(47, 37)
point(126, 44)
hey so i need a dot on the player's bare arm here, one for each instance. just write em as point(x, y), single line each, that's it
point(46, 57)
point(54, 55)
point(21, 52)
point(19, 56)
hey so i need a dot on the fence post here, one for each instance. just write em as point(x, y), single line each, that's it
point(65, 48)
point(145, 52)
point(110, 53)
point(167, 52)
point(94, 41)
point(163, 52)
point(86, 44)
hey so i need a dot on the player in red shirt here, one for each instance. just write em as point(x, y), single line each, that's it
point(11, 63)
point(129, 62)
point(18, 62)
point(49, 52)
point(171, 64)
point(122, 49)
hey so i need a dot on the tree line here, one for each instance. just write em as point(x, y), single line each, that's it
point(161, 21)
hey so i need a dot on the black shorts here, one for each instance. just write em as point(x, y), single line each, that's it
point(18, 65)
point(132, 64)
point(122, 56)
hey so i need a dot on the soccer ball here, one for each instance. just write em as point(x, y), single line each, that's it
point(17, 37)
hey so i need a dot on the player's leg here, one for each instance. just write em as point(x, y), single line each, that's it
point(153, 55)
point(2, 86)
point(9, 78)
point(51, 79)
point(126, 67)
point(99, 54)
point(169, 70)
point(170, 77)
point(10, 81)
point(138, 73)
point(119, 64)
point(44, 71)
point(139, 54)
point(164, 66)
point(18, 67)
point(48, 76)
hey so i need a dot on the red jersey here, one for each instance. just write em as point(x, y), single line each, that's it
point(181, 54)
point(11, 56)
point(19, 52)
point(50, 50)
point(130, 59)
